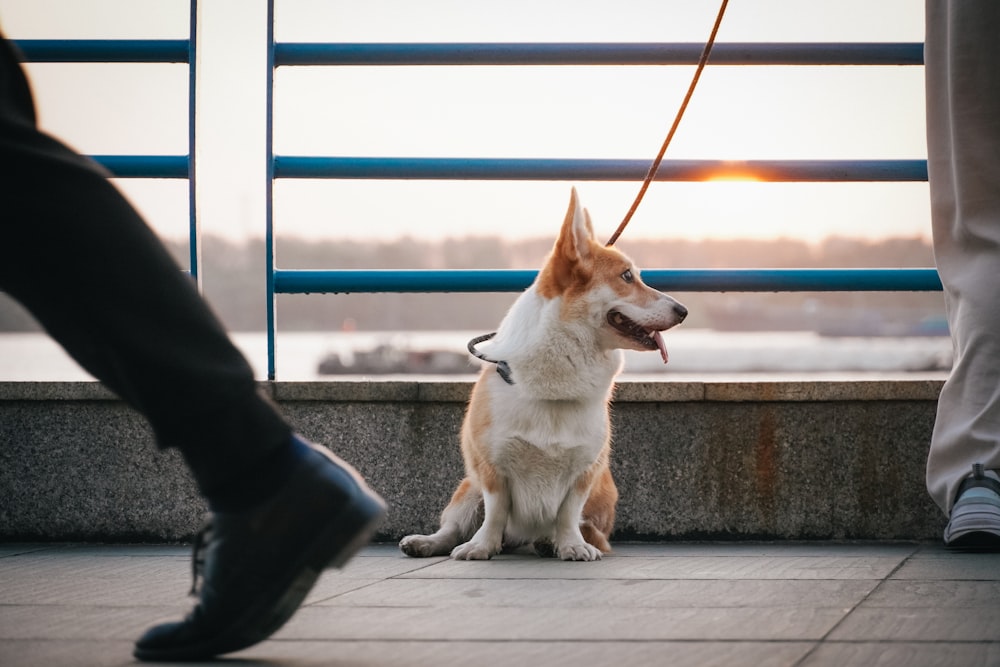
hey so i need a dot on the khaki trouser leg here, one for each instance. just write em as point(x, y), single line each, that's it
point(962, 57)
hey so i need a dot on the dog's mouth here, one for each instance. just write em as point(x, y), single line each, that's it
point(650, 339)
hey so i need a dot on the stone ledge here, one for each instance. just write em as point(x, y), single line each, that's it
point(720, 459)
point(55, 391)
point(627, 391)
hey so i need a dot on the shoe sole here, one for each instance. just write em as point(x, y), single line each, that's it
point(977, 540)
point(973, 527)
point(359, 520)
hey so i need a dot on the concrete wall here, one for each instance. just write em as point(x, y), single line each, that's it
point(727, 460)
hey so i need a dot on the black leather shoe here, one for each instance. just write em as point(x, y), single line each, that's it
point(257, 566)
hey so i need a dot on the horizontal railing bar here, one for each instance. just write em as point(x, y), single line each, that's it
point(676, 280)
point(751, 53)
point(417, 168)
point(401, 280)
point(104, 50)
point(144, 166)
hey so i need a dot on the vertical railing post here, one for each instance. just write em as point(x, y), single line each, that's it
point(269, 197)
point(194, 232)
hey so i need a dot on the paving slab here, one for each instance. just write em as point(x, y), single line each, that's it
point(488, 654)
point(94, 581)
point(67, 621)
point(941, 565)
point(964, 594)
point(719, 603)
point(610, 595)
point(583, 624)
point(904, 654)
point(968, 624)
point(48, 651)
point(677, 567)
point(787, 549)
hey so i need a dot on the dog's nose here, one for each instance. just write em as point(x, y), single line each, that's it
point(681, 312)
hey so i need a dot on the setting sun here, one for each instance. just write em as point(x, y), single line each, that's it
point(733, 175)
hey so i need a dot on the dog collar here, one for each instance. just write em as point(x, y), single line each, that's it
point(503, 368)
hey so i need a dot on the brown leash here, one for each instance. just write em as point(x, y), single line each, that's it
point(502, 368)
point(651, 174)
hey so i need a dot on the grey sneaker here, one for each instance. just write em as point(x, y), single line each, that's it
point(975, 519)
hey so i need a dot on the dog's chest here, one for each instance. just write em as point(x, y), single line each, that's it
point(552, 466)
point(549, 440)
point(538, 481)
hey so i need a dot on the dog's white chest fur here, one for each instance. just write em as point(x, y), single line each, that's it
point(541, 450)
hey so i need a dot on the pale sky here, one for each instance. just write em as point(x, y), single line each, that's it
point(584, 112)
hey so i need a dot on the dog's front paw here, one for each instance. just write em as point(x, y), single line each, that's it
point(473, 551)
point(578, 551)
point(420, 546)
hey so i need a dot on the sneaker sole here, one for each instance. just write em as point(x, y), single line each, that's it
point(974, 527)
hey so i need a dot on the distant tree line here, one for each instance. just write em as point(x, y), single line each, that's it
point(233, 278)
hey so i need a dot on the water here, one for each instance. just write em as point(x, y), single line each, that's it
point(694, 353)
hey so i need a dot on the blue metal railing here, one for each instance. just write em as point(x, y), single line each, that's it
point(462, 54)
point(548, 169)
point(680, 280)
point(138, 51)
point(517, 53)
point(108, 50)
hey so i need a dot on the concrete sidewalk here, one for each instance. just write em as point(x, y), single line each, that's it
point(736, 603)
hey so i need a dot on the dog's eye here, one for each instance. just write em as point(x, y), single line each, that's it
point(627, 276)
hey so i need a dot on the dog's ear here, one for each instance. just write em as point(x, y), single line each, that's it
point(571, 261)
point(590, 225)
point(577, 232)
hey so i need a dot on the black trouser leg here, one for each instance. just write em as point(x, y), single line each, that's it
point(84, 263)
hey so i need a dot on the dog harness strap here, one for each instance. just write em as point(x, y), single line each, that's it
point(503, 368)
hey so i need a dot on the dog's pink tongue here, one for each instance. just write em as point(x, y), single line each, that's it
point(658, 337)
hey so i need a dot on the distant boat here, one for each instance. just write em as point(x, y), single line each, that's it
point(387, 358)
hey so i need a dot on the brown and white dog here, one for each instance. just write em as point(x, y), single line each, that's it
point(536, 444)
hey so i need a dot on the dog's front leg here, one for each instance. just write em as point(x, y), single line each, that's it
point(569, 542)
point(488, 540)
point(458, 522)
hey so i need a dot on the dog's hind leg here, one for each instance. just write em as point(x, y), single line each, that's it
point(459, 521)
point(599, 511)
